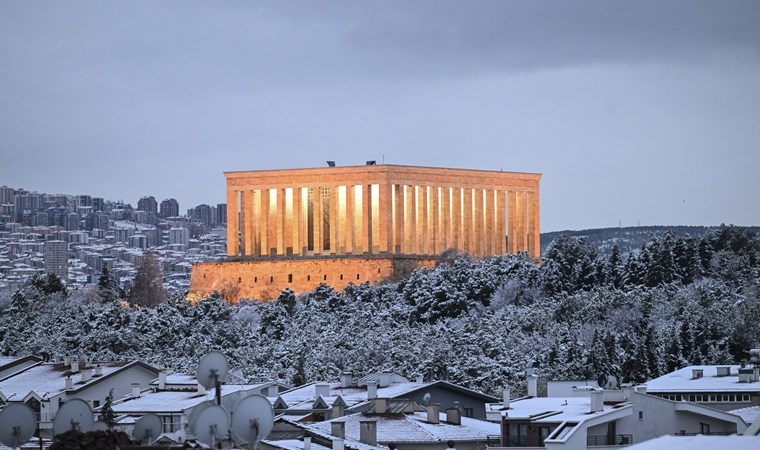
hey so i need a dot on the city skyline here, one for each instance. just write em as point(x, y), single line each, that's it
point(638, 114)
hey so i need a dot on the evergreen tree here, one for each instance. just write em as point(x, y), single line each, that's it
point(148, 289)
point(107, 414)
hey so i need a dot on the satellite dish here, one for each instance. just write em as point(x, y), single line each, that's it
point(196, 412)
point(426, 398)
point(211, 368)
point(253, 418)
point(147, 429)
point(180, 436)
point(100, 426)
point(17, 424)
point(602, 380)
point(73, 415)
point(212, 425)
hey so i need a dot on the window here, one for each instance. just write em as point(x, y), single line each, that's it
point(468, 412)
point(240, 279)
point(641, 415)
point(704, 428)
point(255, 279)
point(271, 279)
point(357, 276)
point(290, 278)
point(341, 277)
point(325, 278)
point(95, 403)
point(308, 277)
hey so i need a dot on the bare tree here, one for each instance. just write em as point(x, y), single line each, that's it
point(148, 289)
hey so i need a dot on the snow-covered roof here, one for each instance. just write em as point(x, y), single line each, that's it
point(699, 442)
point(294, 444)
point(749, 414)
point(555, 409)
point(409, 428)
point(173, 401)
point(303, 397)
point(682, 380)
point(46, 380)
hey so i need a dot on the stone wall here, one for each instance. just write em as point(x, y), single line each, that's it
point(265, 279)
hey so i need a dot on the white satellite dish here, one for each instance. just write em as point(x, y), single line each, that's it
point(196, 412)
point(253, 418)
point(100, 426)
point(212, 425)
point(147, 429)
point(17, 424)
point(211, 368)
point(73, 415)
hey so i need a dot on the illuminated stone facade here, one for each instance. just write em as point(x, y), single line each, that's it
point(325, 218)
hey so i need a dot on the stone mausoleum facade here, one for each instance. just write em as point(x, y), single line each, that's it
point(298, 227)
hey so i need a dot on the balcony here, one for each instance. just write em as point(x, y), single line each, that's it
point(606, 441)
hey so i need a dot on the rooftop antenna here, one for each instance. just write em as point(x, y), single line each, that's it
point(76, 415)
point(253, 419)
point(17, 424)
point(212, 425)
point(212, 371)
point(147, 429)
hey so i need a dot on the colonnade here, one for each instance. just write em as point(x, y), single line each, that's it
point(381, 210)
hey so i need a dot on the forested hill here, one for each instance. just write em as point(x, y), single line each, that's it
point(627, 238)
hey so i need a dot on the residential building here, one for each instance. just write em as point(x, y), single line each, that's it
point(169, 208)
point(57, 258)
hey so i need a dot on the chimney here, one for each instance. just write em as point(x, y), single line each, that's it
point(641, 389)
point(432, 413)
point(368, 432)
point(135, 390)
point(337, 411)
point(385, 378)
point(505, 398)
point(69, 383)
point(597, 400)
point(322, 389)
point(273, 390)
point(338, 429)
point(307, 443)
point(346, 379)
point(627, 391)
point(724, 371)
point(86, 375)
point(532, 386)
point(453, 415)
point(98, 371)
point(74, 365)
point(381, 405)
point(419, 379)
point(338, 444)
point(696, 373)
point(371, 390)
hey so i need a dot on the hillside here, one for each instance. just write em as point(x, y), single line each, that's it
point(627, 238)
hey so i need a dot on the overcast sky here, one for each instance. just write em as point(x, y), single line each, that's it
point(635, 112)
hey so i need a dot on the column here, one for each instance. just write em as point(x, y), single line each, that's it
point(478, 233)
point(350, 219)
point(410, 219)
point(386, 217)
point(512, 222)
point(501, 222)
point(398, 218)
point(446, 224)
point(366, 216)
point(467, 231)
point(297, 219)
point(423, 232)
point(334, 222)
point(522, 241)
point(264, 222)
point(247, 207)
point(490, 215)
point(534, 225)
point(280, 217)
point(232, 222)
point(317, 219)
point(435, 215)
point(456, 219)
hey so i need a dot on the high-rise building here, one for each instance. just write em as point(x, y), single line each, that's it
point(84, 200)
point(203, 214)
point(148, 204)
point(57, 258)
point(221, 213)
point(7, 195)
point(179, 235)
point(98, 204)
point(169, 208)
